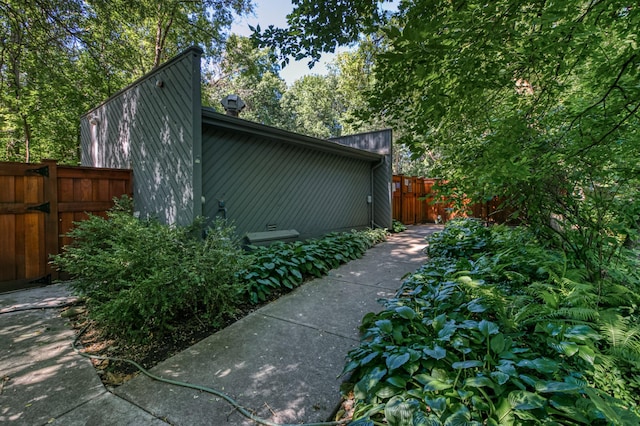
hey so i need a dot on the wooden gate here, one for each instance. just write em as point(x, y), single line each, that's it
point(38, 204)
point(429, 208)
point(25, 218)
point(404, 200)
point(409, 198)
point(396, 198)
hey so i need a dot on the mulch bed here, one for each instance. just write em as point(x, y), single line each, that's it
point(114, 373)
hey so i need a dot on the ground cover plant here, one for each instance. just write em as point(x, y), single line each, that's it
point(152, 290)
point(397, 226)
point(498, 329)
point(286, 265)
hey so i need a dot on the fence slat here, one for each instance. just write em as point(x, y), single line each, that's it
point(414, 201)
point(30, 234)
point(84, 206)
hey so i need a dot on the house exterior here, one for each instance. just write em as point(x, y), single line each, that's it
point(190, 161)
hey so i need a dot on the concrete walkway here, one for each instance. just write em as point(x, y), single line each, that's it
point(281, 362)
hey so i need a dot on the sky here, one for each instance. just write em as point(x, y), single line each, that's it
point(274, 12)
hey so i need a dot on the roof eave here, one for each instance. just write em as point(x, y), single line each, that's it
point(214, 118)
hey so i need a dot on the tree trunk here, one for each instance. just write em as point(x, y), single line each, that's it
point(161, 35)
point(27, 137)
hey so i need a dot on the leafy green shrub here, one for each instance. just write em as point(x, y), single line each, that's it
point(398, 226)
point(141, 277)
point(463, 343)
point(371, 237)
point(460, 238)
point(511, 256)
point(286, 265)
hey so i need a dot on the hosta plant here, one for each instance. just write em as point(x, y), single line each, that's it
point(460, 345)
point(283, 266)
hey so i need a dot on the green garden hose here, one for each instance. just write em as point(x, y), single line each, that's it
point(215, 392)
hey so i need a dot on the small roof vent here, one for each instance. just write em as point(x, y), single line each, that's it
point(233, 105)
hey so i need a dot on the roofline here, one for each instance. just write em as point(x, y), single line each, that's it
point(196, 50)
point(212, 117)
point(370, 132)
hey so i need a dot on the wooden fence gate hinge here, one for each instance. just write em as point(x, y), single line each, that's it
point(44, 208)
point(42, 171)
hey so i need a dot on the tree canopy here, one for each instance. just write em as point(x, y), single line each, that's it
point(58, 58)
point(533, 100)
point(251, 73)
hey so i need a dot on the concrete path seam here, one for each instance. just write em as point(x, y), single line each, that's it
point(391, 287)
point(312, 327)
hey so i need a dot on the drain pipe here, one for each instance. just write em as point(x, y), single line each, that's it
point(373, 169)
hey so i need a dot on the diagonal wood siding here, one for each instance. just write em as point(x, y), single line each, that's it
point(380, 142)
point(266, 185)
point(266, 177)
point(154, 127)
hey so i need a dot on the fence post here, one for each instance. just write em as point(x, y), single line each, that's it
point(51, 219)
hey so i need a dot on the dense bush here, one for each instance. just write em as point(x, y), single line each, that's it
point(286, 265)
point(460, 238)
point(141, 278)
point(498, 330)
point(398, 226)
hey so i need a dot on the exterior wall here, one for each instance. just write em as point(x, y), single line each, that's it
point(379, 142)
point(270, 184)
point(267, 184)
point(154, 127)
point(268, 179)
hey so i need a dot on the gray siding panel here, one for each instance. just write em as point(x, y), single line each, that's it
point(182, 154)
point(380, 142)
point(155, 130)
point(268, 183)
point(196, 131)
point(382, 205)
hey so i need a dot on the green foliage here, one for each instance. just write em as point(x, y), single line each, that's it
point(498, 331)
point(543, 111)
point(398, 226)
point(318, 105)
point(460, 238)
point(336, 23)
point(252, 74)
point(282, 266)
point(36, 74)
point(142, 278)
point(314, 106)
point(354, 72)
point(61, 57)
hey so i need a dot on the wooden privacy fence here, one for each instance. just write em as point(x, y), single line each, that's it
point(38, 204)
point(413, 202)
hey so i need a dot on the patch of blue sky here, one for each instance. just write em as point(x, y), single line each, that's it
point(274, 12)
